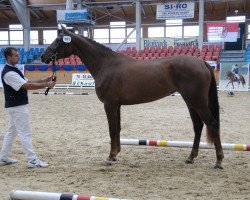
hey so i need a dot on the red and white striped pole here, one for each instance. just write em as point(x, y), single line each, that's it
point(184, 144)
point(31, 195)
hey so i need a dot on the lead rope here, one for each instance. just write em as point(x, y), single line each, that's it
point(53, 58)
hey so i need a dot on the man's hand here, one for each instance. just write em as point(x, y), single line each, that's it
point(50, 84)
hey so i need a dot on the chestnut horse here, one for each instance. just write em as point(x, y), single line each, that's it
point(232, 78)
point(122, 80)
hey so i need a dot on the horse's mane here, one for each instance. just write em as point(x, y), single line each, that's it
point(93, 42)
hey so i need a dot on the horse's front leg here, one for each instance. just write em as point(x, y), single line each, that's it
point(113, 116)
point(233, 84)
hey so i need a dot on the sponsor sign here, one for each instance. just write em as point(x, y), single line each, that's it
point(222, 32)
point(73, 16)
point(83, 79)
point(162, 42)
point(175, 10)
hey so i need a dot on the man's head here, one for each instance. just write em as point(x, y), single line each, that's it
point(11, 55)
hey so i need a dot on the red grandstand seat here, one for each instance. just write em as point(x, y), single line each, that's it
point(152, 49)
point(191, 50)
point(165, 50)
point(61, 63)
point(156, 55)
point(216, 53)
point(208, 58)
point(146, 58)
point(184, 51)
point(203, 54)
point(158, 51)
point(209, 53)
point(177, 50)
point(136, 55)
point(78, 62)
point(146, 51)
point(140, 51)
point(149, 55)
point(153, 58)
point(170, 48)
point(143, 55)
point(162, 55)
point(140, 58)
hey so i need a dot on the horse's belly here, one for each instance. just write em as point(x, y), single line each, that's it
point(143, 96)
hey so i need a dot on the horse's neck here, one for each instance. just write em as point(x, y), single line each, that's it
point(92, 56)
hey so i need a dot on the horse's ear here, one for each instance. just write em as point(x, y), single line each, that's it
point(63, 29)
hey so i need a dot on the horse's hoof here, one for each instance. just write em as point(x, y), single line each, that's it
point(114, 159)
point(108, 162)
point(189, 161)
point(218, 166)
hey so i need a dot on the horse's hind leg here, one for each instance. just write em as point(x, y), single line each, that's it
point(212, 133)
point(197, 125)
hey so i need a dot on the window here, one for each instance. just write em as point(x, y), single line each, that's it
point(16, 34)
point(16, 37)
point(4, 38)
point(101, 35)
point(156, 32)
point(34, 37)
point(49, 36)
point(117, 32)
point(174, 31)
point(191, 31)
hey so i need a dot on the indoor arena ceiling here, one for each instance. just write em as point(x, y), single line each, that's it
point(43, 12)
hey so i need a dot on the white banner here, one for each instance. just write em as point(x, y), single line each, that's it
point(20, 67)
point(85, 80)
point(175, 10)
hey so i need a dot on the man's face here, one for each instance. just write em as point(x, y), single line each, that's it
point(14, 58)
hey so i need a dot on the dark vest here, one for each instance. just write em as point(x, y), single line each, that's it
point(12, 97)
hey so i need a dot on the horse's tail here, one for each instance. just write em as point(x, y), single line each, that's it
point(243, 80)
point(213, 103)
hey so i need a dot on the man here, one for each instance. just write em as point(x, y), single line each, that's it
point(16, 103)
point(235, 71)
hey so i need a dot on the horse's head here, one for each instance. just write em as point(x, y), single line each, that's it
point(61, 47)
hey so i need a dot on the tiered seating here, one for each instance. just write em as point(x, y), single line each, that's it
point(25, 56)
point(72, 60)
point(71, 63)
point(207, 53)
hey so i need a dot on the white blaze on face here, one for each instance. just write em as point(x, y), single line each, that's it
point(66, 39)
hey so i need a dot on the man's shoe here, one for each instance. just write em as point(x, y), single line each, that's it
point(7, 161)
point(37, 163)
